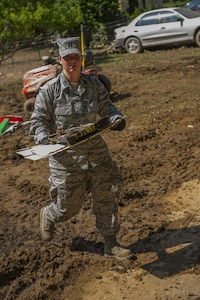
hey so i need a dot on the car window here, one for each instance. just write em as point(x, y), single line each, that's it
point(148, 19)
point(167, 17)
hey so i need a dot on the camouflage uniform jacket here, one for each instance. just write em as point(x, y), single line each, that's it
point(58, 105)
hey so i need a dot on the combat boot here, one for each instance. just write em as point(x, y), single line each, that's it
point(46, 226)
point(113, 249)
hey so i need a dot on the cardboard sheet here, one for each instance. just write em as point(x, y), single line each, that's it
point(40, 151)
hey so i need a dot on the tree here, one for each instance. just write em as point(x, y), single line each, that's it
point(31, 20)
point(99, 11)
point(96, 14)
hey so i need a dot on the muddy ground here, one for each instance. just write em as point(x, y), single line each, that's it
point(159, 157)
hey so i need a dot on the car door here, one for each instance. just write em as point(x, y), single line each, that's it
point(172, 28)
point(147, 29)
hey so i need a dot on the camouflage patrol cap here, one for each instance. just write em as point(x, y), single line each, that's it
point(69, 46)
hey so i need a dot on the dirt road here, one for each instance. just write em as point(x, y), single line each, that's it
point(159, 157)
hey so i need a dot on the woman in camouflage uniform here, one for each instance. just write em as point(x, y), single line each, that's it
point(69, 100)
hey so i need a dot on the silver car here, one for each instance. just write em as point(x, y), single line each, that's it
point(160, 27)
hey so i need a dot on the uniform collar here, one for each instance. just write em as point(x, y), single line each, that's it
point(65, 83)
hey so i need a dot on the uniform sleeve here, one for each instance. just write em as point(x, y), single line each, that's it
point(42, 122)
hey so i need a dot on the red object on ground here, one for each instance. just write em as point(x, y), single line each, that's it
point(12, 119)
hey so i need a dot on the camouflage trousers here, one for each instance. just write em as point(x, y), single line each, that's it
point(69, 182)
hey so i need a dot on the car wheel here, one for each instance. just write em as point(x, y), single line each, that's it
point(106, 82)
point(133, 45)
point(197, 38)
point(29, 106)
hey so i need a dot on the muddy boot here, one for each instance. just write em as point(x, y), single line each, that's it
point(113, 249)
point(46, 226)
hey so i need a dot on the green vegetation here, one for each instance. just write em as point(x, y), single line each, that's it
point(32, 20)
point(175, 3)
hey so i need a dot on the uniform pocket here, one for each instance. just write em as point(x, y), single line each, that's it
point(63, 110)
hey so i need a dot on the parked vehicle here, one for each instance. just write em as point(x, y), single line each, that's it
point(193, 5)
point(160, 27)
point(35, 78)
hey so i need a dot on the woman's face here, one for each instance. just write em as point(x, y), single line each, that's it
point(71, 63)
